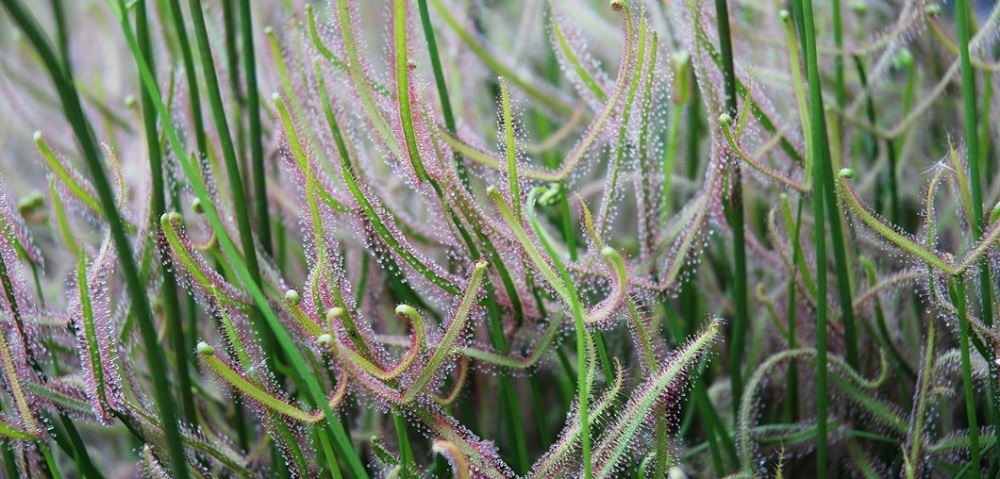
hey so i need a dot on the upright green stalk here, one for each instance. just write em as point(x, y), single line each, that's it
point(830, 197)
point(256, 143)
point(820, 153)
point(972, 146)
point(978, 223)
point(190, 73)
point(958, 296)
point(736, 213)
point(840, 90)
point(442, 87)
point(159, 205)
point(70, 100)
point(232, 164)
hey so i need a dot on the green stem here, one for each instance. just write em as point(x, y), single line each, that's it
point(740, 320)
point(978, 225)
point(820, 153)
point(194, 93)
point(256, 135)
point(442, 86)
point(958, 295)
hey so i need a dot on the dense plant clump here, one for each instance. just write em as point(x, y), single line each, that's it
point(470, 238)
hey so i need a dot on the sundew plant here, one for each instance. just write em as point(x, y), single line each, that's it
point(483, 238)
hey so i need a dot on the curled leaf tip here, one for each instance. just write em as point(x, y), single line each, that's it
point(846, 173)
point(167, 217)
point(324, 339)
point(197, 207)
point(784, 15)
point(617, 5)
point(490, 190)
point(335, 312)
point(405, 309)
point(292, 297)
point(725, 119)
point(481, 265)
point(37, 136)
point(204, 348)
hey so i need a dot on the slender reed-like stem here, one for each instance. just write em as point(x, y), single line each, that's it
point(255, 133)
point(741, 303)
point(969, 387)
point(442, 86)
point(820, 153)
point(974, 161)
point(191, 74)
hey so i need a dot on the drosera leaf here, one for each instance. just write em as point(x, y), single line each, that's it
point(887, 231)
point(90, 347)
point(725, 121)
point(460, 467)
point(510, 147)
point(848, 380)
point(617, 438)
point(369, 208)
point(73, 180)
point(266, 399)
point(360, 82)
point(574, 60)
point(201, 274)
point(331, 57)
point(15, 432)
point(481, 456)
point(417, 345)
point(444, 349)
point(535, 88)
